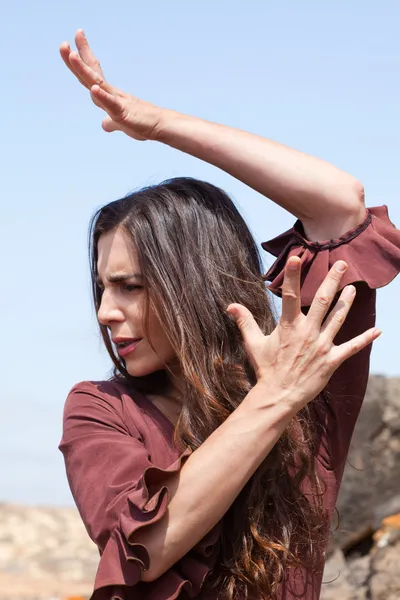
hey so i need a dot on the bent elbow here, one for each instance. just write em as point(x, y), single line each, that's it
point(359, 193)
point(158, 565)
point(151, 574)
point(356, 210)
point(351, 211)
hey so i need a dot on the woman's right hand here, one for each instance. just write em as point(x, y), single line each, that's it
point(137, 118)
point(299, 357)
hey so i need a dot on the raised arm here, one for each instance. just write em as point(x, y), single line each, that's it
point(327, 200)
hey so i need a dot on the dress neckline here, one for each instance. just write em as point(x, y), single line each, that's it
point(161, 418)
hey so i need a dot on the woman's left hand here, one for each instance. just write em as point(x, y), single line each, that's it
point(137, 118)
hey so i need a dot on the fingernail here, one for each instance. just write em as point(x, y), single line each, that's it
point(293, 265)
point(341, 266)
point(349, 291)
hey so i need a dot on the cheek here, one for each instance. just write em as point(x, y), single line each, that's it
point(155, 353)
point(134, 310)
point(159, 339)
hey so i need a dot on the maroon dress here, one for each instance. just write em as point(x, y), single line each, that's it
point(118, 446)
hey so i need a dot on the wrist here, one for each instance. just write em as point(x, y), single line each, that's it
point(273, 404)
point(163, 129)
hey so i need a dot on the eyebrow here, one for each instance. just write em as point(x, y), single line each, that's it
point(119, 277)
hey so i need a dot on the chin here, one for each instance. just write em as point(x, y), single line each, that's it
point(136, 369)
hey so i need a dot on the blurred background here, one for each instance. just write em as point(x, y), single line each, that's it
point(322, 77)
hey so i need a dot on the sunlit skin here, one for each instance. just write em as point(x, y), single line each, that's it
point(123, 306)
point(292, 364)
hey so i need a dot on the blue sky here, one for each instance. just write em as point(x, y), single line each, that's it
point(322, 77)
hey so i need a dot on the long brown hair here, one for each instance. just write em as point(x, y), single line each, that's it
point(197, 256)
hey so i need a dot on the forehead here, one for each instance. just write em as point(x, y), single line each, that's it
point(116, 253)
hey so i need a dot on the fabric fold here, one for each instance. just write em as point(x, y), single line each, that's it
point(122, 561)
point(371, 250)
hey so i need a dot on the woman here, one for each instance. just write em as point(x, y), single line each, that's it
point(209, 466)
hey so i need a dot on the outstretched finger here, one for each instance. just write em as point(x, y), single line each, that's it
point(65, 51)
point(338, 314)
point(247, 324)
point(326, 293)
point(355, 345)
point(108, 102)
point(291, 299)
point(86, 53)
point(86, 73)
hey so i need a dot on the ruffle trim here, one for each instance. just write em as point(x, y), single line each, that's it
point(122, 561)
point(371, 250)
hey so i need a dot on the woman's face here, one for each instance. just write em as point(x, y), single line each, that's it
point(123, 306)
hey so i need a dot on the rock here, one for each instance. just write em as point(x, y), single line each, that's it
point(339, 582)
point(389, 532)
point(371, 482)
point(391, 413)
point(391, 507)
point(385, 579)
point(359, 571)
point(44, 553)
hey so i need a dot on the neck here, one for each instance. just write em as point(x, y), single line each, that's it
point(175, 392)
point(176, 382)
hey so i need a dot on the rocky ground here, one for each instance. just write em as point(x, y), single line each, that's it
point(45, 553)
point(364, 560)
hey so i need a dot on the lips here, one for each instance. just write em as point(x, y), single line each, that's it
point(125, 346)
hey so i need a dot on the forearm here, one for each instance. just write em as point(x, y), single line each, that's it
point(327, 200)
point(309, 188)
point(212, 478)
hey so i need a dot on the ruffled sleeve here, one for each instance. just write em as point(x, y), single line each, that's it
point(118, 491)
point(372, 252)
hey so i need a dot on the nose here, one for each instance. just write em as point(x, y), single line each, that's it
point(108, 311)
